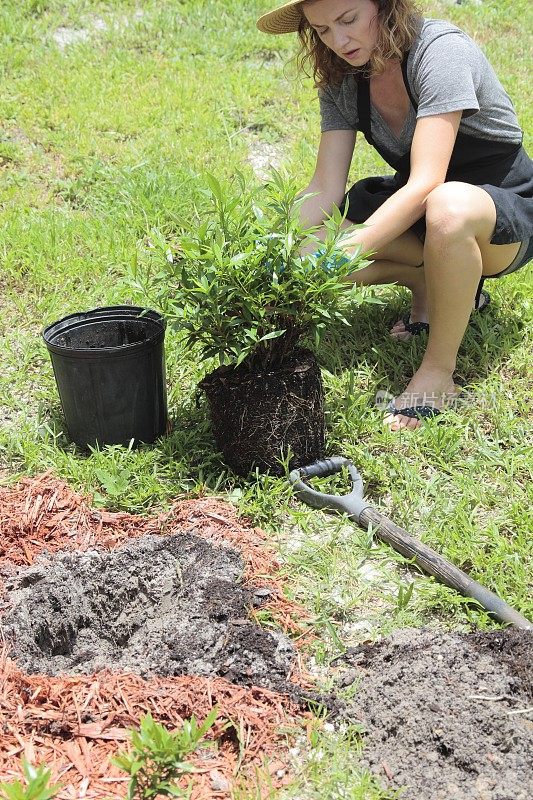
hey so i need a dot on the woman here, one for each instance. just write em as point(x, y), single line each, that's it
point(460, 206)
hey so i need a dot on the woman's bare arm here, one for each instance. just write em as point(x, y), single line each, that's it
point(431, 151)
point(331, 173)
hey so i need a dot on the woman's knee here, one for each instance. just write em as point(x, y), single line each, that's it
point(459, 209)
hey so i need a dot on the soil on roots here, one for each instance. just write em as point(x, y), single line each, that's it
point(158, 605)
point(448, 716)
point(258, 418)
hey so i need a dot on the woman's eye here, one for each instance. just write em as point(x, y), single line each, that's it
point(349, 21)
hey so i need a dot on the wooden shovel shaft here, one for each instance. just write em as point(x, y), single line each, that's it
point(439, 567)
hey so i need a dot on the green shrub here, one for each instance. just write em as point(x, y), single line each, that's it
point(37, 785)
point(239, 287)
point(155, 763)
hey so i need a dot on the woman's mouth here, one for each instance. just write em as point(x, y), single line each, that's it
point(351, 53)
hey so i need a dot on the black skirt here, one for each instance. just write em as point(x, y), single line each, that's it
point(509, 182)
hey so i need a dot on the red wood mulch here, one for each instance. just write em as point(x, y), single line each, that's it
point(74, 723)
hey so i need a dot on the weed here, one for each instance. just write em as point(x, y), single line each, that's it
point(331, 768)
point(38, 786)
point(114, 482)
point(156, 760)
point(404, 595)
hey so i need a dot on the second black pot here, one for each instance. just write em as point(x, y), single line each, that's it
point(109, 366)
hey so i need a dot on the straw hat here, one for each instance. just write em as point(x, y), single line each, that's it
point(284, 19)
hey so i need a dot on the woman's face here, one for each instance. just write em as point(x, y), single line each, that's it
point(348, 27)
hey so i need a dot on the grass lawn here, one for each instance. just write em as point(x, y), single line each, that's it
point(110, 112)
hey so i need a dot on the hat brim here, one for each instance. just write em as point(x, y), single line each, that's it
point(285, 19)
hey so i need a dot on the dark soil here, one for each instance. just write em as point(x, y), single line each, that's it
point(446, 716)
point(258, 417)
point(159, 605)
point(438, 711)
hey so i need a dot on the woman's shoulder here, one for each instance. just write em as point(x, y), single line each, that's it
point(429, 30)
point(339, 92)
point(439, 42)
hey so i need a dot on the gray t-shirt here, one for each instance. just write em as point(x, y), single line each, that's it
point(447, 71)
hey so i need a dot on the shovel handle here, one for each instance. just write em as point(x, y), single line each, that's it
point(368, 517)
point(321, 469)
point(446, 572)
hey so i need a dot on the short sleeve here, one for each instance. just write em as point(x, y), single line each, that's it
point(331, 116)
point(447, 76)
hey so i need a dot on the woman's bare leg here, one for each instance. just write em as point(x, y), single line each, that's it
point(412, 277)
point(399, 262)
point(460, 220)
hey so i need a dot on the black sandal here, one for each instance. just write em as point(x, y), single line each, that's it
point(482, 306)
point(414, 412)
point(416, 328)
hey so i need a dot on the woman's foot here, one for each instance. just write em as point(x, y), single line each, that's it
point(429, 389)
point(419, 311)
point(400, 329)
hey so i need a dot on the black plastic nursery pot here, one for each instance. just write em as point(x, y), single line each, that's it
point(258, 418)
point(109, 366)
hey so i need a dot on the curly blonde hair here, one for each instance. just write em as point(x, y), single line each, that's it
point(397, 26)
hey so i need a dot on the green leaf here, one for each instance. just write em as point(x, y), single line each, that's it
point(123, 761)
point(30, 773)
point(272, 335)
point(207, 724)
point(174, 791)
point(242, 355)
point(214, 185)
point(135, 767)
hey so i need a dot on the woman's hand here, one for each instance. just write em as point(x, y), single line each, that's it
point(328, 184)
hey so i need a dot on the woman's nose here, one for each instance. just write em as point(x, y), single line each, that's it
point(340, 39)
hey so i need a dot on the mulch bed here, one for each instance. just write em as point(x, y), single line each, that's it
point(74, 723)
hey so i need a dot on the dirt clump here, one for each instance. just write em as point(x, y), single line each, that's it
point(260, 413)
point(158, 605)
point(448, 716)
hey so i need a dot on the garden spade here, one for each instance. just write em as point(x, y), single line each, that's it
point(361, 512)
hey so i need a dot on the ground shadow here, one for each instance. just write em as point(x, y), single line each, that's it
point(490, 338)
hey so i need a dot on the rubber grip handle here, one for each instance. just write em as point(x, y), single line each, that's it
point(321, 469)
point(352, 503)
